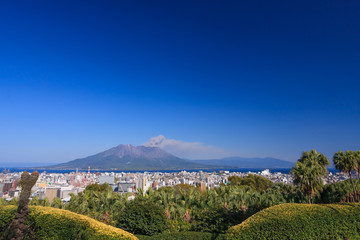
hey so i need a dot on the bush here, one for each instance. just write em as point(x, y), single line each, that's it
point(184, 236)
point(7, 213)
point(257, 182)
point(338, 192)
point(142, 217)
point(301, 221)
point(99, 187)
point(52, 223)
point(216, 220)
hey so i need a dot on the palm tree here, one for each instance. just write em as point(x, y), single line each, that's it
point(210, 199)
point(308, 172)
point(186, 202)
point(224, 194)
point(357, 160)
point(240, 198)
point(346, 162)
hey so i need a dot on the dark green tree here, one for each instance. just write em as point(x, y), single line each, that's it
point(357, 160)
point(257, 182)
point(99, 202)
point(346, 162)
point(57, 203)
point(142, 216)
point(308, 172)
point(99, 187)
point(338, 192)
point(216, 220)
point(234, 180)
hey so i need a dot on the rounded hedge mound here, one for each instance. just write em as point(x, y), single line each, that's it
point(53, 223)
point(301, 221)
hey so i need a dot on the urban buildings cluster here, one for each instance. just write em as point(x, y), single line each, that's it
point(61, 185)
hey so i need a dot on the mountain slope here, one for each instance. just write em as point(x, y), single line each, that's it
point(128, 157)
point(239, 162)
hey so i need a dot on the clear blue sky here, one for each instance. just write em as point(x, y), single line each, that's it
point(253, 78)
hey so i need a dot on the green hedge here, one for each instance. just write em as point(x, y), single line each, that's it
point(53, 223)
point(7, 213)
point(301, 221)
point(184, 236)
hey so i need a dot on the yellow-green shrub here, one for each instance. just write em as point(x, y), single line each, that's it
point(52, 223)
point(301, 221)
point(7, 213)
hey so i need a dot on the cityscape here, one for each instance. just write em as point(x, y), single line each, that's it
point(61, 185)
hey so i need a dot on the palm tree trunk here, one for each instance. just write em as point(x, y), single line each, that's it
point(358, 180)
point(352, 183)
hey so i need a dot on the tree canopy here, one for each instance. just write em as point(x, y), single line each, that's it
point(308, 172)
point(256, 182)
point(141, 216)
point(347, 162)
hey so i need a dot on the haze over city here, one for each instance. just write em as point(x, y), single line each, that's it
point(200, 79)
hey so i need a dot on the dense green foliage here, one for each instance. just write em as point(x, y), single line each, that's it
point(347, 162)
point(338, 192)
point(234, 180)
point(256, 182)
point(142, 217)
point(7, 213)
point(100, 203)
point(357, 159)
point(216, 220)
point(185, 207)
point(301, 221)
point(309, 171)
point(99, 187)
point(52, 223)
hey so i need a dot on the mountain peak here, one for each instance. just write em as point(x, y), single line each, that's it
point(138, 151)
point(129, 157)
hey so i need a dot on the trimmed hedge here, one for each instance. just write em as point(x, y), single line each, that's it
point(184, 236)
point(301, 221)
point(53, 223)
point(7, 213)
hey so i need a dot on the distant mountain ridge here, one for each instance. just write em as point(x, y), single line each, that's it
point(240, 162)
point(22, 164)
point(128, 157)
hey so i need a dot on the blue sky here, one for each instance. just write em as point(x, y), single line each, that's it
point(247, 78)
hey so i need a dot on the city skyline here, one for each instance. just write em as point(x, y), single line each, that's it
point(249, 79)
